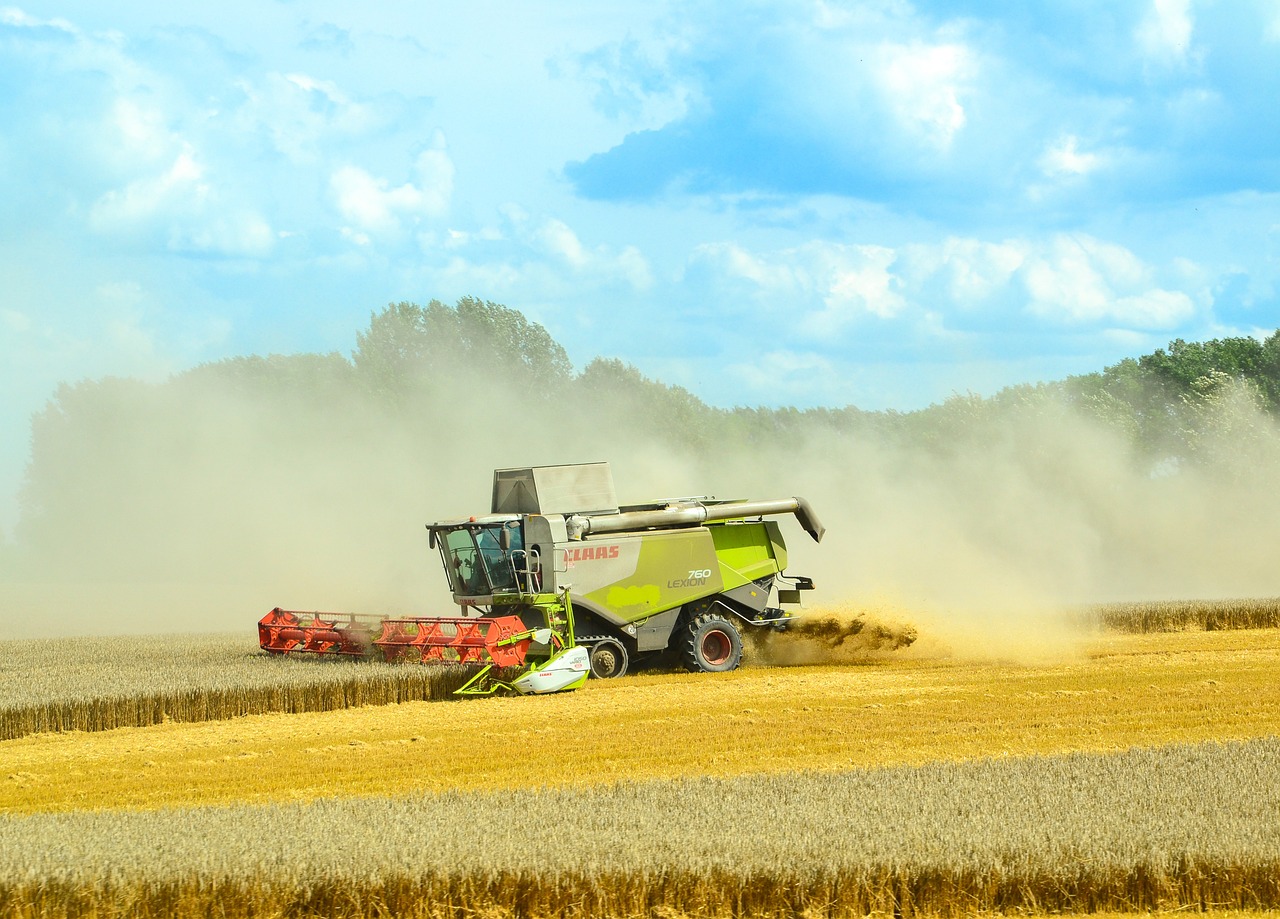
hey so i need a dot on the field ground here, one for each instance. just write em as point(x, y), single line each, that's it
point(81, 683)
point(1125, 691)
point(1186, 824)
point(1141, 774)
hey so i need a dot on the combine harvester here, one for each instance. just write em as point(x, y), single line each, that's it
point(561, 581)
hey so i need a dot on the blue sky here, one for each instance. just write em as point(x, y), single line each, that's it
point(877, 203)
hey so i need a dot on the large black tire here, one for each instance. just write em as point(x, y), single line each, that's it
point(608, 659)
point(710, 643)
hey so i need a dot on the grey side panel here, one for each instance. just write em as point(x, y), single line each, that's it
point(651, 635)
point(539, 543)
point(655, 633)
point(753, 596)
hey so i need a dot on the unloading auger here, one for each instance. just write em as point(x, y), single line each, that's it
point(560, 582)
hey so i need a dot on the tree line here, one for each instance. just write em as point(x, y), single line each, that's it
point(239, 451)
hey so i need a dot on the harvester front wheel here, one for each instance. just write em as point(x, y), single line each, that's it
point(711, 644)
point(608, 659)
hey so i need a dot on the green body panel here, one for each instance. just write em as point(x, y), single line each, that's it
point(748, 551)
point(671, 569)
point(676, 567)
point(624, 578)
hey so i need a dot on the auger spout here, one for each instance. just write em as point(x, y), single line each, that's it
point(695, 513)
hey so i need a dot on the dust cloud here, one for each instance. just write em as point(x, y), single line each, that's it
point(205, 505)
point(834, 636)
point(984, 541)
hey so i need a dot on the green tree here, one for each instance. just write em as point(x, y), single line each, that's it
point(616, 392)
point(392, 356)
point(1186, 362)
point(1268, 378)
point(298, 379)
point(409, 351)
point(503, 339)
point(1224, 424)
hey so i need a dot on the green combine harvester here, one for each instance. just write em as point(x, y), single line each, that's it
point(559, 582)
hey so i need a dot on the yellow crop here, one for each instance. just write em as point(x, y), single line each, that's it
point(1178, 615)
point(1136, 691)
point(1181, 826)
point(1140, 775)
point(97, 684)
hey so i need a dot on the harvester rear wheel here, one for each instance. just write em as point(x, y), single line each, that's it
point(608, 659)
point(711, 644)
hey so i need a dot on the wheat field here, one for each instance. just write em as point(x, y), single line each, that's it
point(1141, 773)
point(1129, 691)
point(97, 684)
point(1181, 615)
point(1185, 826)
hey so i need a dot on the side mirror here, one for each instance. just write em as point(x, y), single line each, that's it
point(431, 540)
point(504, 539)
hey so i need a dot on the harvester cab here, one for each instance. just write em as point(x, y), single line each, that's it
point(485, 557)
point(559, 572)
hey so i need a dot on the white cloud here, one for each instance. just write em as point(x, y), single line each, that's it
point(12, 16)
point(972, 271)
point(1154, 309)
point(880, 83)
point(302, 114)
point(830, 284)
point(376, 208)
point(1064, 158)
point(182, 205)
point(236, 233)
point(770, 278)
point(180, 187)
point(558, 239)
point(632, 264)
point(141, 133)
point(360, 239)
point(937, 289)
point(1066, 285)
point(979, 269)
point(124, 324)
point(923, 85)
point(143, 161)
point(863, 284)
point(1078, 279)
point(1272, 33)
point(1164, 35)
point(563, 242)
point(531, 257)
point(326, 88)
